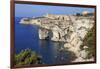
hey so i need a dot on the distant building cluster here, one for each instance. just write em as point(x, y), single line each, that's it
point(85, 13)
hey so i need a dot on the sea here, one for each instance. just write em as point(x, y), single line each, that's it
point(26, 36)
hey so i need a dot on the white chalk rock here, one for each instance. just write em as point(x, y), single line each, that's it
point(43, 33)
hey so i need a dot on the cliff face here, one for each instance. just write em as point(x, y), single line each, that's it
point(62, 27)
point(69, 29)
point(43, 33)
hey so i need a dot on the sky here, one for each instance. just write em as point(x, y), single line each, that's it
point(28, 10)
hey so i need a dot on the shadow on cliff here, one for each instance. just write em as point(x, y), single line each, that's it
point(50, 35)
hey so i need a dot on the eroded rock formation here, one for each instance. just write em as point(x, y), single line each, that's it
point(70, 29)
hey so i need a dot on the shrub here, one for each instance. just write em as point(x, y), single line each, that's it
point(90, 42)
point(27, 56)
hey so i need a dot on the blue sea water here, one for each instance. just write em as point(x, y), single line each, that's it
point(26, 36)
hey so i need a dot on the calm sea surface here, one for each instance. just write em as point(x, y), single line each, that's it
point(26, 36)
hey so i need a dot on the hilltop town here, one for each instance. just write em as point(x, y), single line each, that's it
point(70, 29)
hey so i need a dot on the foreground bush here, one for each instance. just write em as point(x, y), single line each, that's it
point(27, 56)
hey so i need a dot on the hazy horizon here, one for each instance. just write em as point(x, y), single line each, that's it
point(27, 10)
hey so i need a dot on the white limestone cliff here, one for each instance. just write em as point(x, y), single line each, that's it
point(70, 29)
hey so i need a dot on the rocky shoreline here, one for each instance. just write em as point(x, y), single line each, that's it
point(71, 29)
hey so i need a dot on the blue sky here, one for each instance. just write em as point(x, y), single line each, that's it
point(27, 10)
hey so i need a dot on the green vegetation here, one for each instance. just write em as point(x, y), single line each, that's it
point(90, 42)
point(27, 56)
point(78, 14)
